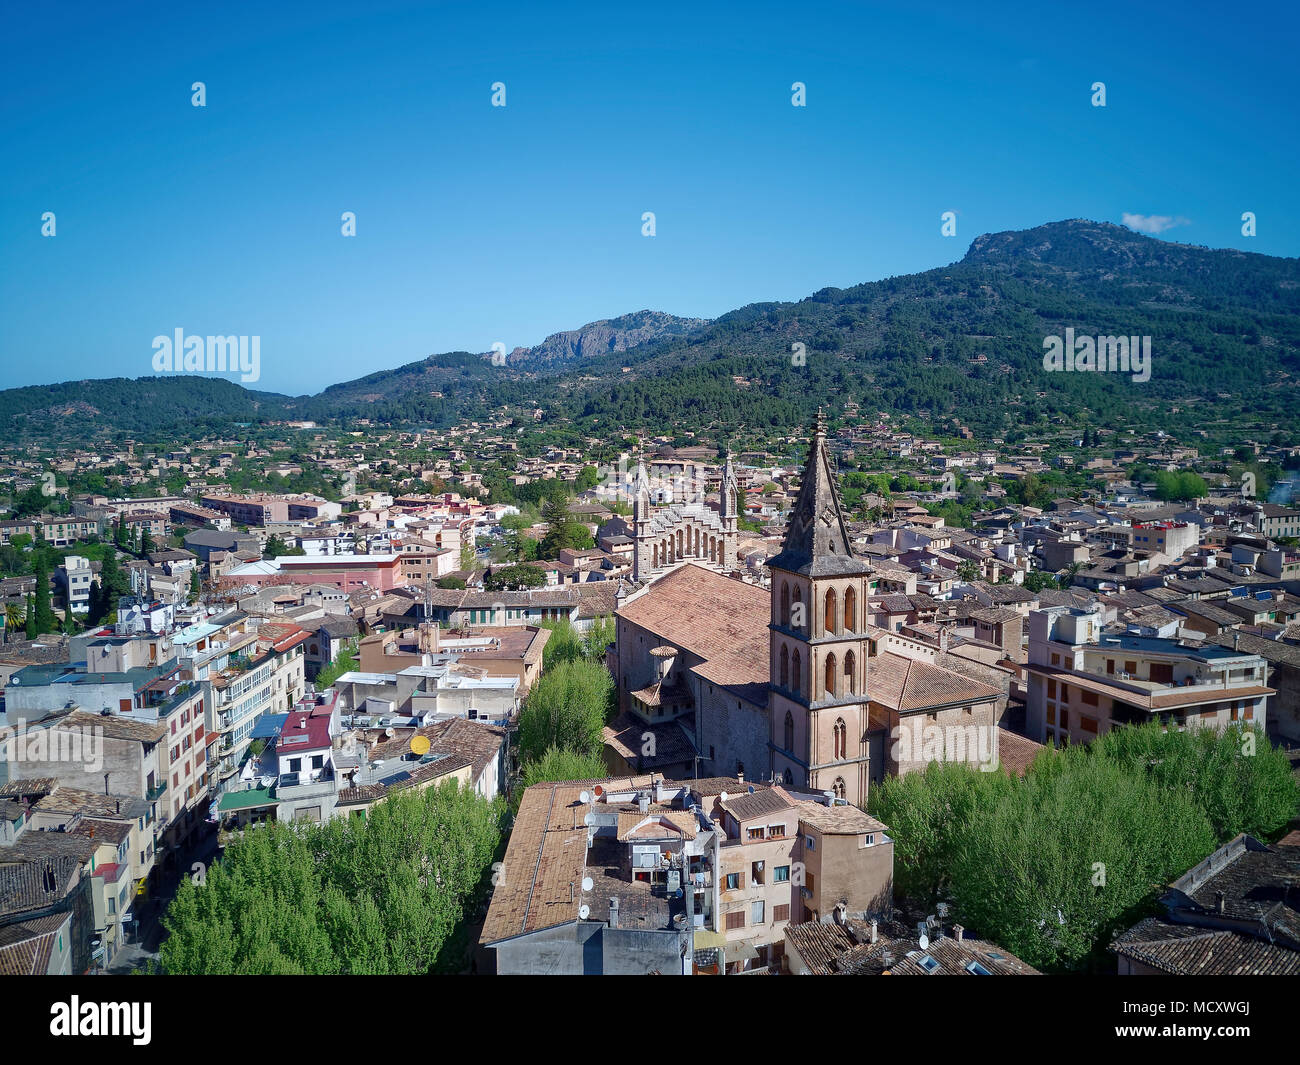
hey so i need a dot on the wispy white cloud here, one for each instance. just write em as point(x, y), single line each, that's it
point(1153, 223)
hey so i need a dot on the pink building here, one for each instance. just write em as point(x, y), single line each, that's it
point(347, 573)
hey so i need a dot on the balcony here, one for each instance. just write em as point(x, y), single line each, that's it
point(156, 792)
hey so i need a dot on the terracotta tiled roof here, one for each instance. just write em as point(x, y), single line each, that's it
point(626, 735)
point(905, 685)
point(1016, 752)
point(713, 617)
point(758, 804)
point(839, 820)
point(1188, 950)
point(25, 948)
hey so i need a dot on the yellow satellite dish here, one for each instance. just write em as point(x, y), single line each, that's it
point(420, 745)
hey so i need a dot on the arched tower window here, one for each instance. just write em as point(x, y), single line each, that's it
point(785, 667)
point(784, 616)
point(850, 673)
point(851, 610)
point(831, 679)
point(798, 619)
point(841, 791)
point(789, 731)
point(830, 618)
point(796, 673)
point(841, 738)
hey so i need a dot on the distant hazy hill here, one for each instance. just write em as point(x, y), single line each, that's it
point(962, 344)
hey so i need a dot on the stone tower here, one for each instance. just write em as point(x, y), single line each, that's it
point(817, 699)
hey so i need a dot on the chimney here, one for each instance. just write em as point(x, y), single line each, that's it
point(613, 913)
point(958, 932)
point(740, 773)
point(875, 931)
point(643, 802)
point(1218, 902)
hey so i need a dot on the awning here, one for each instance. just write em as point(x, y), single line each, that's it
point(704, 939)
point(742, 950)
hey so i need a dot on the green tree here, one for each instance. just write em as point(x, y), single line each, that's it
point(385, 895)
point(567, 708)
point(559, 764)
point(450, 582)
point(1237, 778)
point(514, 578)
point(564, 644)
point(602, 633)
point(1070, 856)
point(44, 616)
point(346, 662)
point(196, 586)
point(29, 619)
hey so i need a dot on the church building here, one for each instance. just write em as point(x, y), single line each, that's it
point(796, 683)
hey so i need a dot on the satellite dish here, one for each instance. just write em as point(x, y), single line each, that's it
point(420, 745)
point(589, 820)
point(584, 797)
point(584, 912)
point(722, 797)
point(924, 941)
point(587, 883)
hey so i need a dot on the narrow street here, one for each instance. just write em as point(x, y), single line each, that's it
point(149, 932)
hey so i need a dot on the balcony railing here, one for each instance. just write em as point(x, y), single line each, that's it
point(156, 792)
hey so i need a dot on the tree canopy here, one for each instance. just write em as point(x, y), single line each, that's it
point(382, 895)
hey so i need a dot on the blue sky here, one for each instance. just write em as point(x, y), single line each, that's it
point(478, 224)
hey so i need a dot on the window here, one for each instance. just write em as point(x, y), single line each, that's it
point(810, 843)
point(781, 913)
point(1051, 689)
point(785, 667)
point(869, 840)
point(1088, 724)
point(796, 673)
point(757, 912)
point(841, 738)
point(839, 789)
point(850, 671)
point(736, 919)
point(318, 761)
point(928, 964)
point(755, 833)
point(775, 831)
point(295, 765)
point(781, 875)
point(735, 881)
point(1090, 698)
point(851, 610)
point(830, 617)
point(756, 872)
point(976, 969)
point(789, 721)
point(830, 676)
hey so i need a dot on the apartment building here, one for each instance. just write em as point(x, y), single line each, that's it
point(259, 509)
point(1275, 521)
point(1084, 681)
point(642, 874)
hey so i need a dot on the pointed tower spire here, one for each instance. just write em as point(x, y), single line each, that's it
point(817, 537)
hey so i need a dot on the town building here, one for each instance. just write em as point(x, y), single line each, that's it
point(1082, 681)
